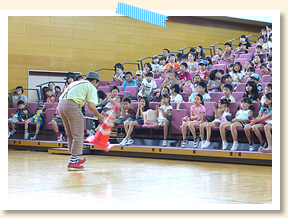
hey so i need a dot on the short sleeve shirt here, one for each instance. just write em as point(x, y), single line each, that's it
point(190, 65)
point(172, 66)
point(80, 92)
point(186, 76)
point(203, 75)
point(205, 97)
point(265, 111)
point(148, 87)
point(197, 111)
point(232, 99)
point(133, 83)
point(177, 98)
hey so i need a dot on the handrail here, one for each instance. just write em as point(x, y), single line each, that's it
point(10, 97)
point(40, 85)
point(213, 46)
point(132, 63)
point(182, 49)
point(141, 61)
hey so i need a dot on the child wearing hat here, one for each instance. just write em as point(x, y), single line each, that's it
point(204, 74)
point(256, 78)
point(37, 119)
point(139, 78)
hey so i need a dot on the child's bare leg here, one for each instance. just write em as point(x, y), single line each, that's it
point(55, 126)
point(165, 130)
point(223, 131)
point(26, 124)
point(184, 129)
point(130, 129)
point(126, 126)
point(257, 132)
point(13, 125)
point(202, 130)
point(192, 129)
point(234, 130)
point(247, 130)
point(208, 130)
point(149, 122)
point(37, 129)
point(268, 134)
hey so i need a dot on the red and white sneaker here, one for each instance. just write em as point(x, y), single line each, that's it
point(82, 160)
point(60, 138)
point(75, 167)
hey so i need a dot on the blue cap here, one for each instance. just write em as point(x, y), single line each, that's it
point(203, 62)
point(41, 103)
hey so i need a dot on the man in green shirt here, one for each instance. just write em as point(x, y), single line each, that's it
point(71, 101)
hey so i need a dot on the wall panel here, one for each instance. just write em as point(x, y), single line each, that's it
point(82, 44)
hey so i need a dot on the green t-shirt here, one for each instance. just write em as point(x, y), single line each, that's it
point(80, 93)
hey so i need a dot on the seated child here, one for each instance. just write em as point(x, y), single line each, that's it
point(183, 75)
point(264, 70)
point(143, 106)
point(219, 113)
point(256, 78)
point(21, 114)
point(268, 134)
point(268, 88)
point(119, 72)
point(196, 80)
point(48, 96)
point(241, 120)
point(251, 91)
point(129, 80)
point(203, 72)
point(57, 93)
point(265, 113)
point(227, 90)
point(148, 87)
point(37, 119)
point(247, 65)
point(126, 113)
point(226, 79)
point(139, 78)
point(229, 54)
point(195, 119)
point(57, 119)
point(175, 96)
point(162, 64)
point(114, 95)
point(202, 89)
point(217, 57)
point(164, 117)
point(155, 64)
point(172, 64)
point(214, 82)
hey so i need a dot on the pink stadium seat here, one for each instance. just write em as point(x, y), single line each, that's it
point(152, 105)
point(134, 106)
point(246, 78)
point(176, 120)
point(266, 78)
point(122, 95)
point(159, 82)
point(220, 66)
point(238, 96)
point(187, 86)
point(115, 83)
point(226, 62)
point(186, 106)
point(215, 96)
point(157, 75)
point(121, 88)
point(192, 74)
point(32, 107)
point(258, 71)
point(55, 105)
point(246, 56)
point(252, 50)
point(48, 117)
point(103, 83)
point(185, 96)
point(254, 45)
point(133, 90)
point(241, 60)
point(240, 87)
point(105, 89)
point(209, 108)
point(174, 105)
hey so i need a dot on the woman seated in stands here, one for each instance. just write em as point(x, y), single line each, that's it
point(200, 55)
point(19, 96)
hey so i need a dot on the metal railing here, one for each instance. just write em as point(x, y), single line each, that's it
point(132, 63)
point(42, 84)
point(11, 105)
point(182, 49)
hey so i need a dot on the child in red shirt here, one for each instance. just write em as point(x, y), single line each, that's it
point(204, 74)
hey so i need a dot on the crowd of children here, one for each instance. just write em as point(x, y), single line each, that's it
point(192, 73)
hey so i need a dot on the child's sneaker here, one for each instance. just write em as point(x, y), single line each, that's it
point(64, 138)
point(224, 145)
point(264, 145)
point(184, 143)
point(34, 137)
point(265, 150)
point(196, 142)
point(234, 146)
point(165, 143)
point(206, 144)
point(60, 138)
point(251, 147)
point(11, 133)
point(26, 135)
point(129, 142)
point(124, 141)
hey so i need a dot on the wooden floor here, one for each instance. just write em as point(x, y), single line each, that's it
point(41, 180)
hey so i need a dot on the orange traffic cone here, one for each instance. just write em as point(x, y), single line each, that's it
point(101, 138)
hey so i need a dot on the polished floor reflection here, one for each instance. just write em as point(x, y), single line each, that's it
point(41, 178)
